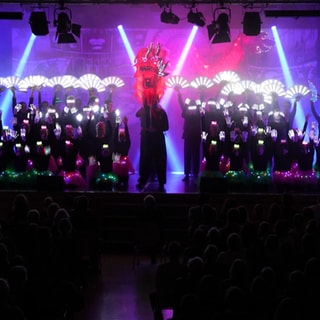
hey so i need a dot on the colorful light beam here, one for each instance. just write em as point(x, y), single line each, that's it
point(7, 115)
point(127, 44)
point(174, 159)
point(300, 117)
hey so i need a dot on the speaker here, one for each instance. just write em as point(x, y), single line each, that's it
point(50, 183)
point(39, 23)
point(251, 23)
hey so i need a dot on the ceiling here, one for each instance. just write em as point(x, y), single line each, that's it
point(165, 2)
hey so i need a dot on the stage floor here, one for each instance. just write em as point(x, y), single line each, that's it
point(174, 185)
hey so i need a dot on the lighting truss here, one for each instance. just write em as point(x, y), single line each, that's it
point(292, 13)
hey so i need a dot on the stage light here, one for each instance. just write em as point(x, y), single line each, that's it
point(66, 30)
point(251, 23)
point(167, 16)
point(219, 30)
point(196, 17)
point(39, 23)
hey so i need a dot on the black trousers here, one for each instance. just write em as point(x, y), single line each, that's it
point(153, 156)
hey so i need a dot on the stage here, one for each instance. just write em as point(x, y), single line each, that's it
point(115, 208)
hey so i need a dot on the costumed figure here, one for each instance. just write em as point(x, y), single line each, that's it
point(236, 147)
point(305, 178)
point(41, 155)
point(122, 165)
point(91, 117)
point(192, 131)
point(104, 177)
point(69, 160)
point(260, 158)
point(282, 165)
point(150, 86)
point(213, 113)
point(112, 115)
point(6, 153)
point(316, 137)
point(22, 163)
point(20, 110)
point(276, 120)
point(70, 113)
point(295, 143)
point(214, 148)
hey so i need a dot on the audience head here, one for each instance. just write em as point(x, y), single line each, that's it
point(174, 250)
point(20, 206)
point(149, 201)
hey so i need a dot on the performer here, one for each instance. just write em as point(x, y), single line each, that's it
point(214, 148)
point(154, 122)
point(21, 111)
point(42, 159)
point(122, 165)
point(213, 113)
point(69, 160)
point(70, 113)
point(192, 130)
point(150, 71)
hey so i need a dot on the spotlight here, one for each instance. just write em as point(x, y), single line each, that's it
point(196, 17)
point(65, 28)
point(167, 16)
point(39, 23)
point(251, 23)
point(219, 30)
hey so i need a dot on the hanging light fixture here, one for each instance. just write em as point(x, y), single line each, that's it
point(39, 23)
point(66, 30)
point(167, 16)
point(196, 17)
point(251, 23)
point(219, 30)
